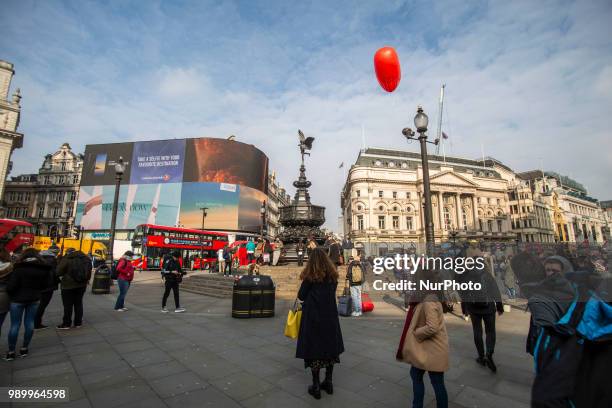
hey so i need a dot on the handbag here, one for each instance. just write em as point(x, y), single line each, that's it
point(294, 318)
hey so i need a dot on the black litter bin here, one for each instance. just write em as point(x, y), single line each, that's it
point(253, 296)
point(101, 281)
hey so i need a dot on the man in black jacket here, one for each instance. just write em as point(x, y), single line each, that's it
point(172, 274)
point(50, 258)
point(481, 306)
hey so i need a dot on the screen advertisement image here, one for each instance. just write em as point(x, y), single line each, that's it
point(159, 161)
point(220, 199)
point(99, 163)
point(225, 161)
point(167, 182)
point(138, 204)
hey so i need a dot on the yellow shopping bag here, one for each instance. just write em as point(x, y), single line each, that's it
point(292, 327)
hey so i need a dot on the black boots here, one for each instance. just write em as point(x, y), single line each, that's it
point(489, 362)
point(327, 385)
point(315, 388)
point(481, 360)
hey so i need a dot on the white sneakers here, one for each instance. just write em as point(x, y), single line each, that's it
point(178, 310)
point(355, 314)
point(121, 310)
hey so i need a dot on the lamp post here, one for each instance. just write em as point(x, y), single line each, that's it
point(262, 211)
point(119, 170)
point(453, 234)
point(203, 209)
point(420, 122)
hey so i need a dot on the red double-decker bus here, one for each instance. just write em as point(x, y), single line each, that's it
point(15, 234)
point(198, 248)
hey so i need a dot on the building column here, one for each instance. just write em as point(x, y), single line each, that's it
point(459, 222)
point(440, 214)
point(474, 213)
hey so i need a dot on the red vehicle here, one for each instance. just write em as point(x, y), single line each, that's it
point(198, 248)
point(15, 234)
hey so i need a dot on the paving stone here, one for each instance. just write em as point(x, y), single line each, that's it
point(119, 394)
point(104, 378)
point(131, 346)
point(274, 398)
point(48, 370)
point(95, 361)
point(209, 397)
point(241, 385)
point(153, 371)
point(474, 397)
point(175, 384)
point(146, 357)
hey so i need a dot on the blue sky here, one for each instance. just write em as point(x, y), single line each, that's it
point(531, 81)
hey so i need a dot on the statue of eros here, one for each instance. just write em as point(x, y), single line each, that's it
point(305, 144)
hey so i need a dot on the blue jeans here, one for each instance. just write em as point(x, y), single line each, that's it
point(356, 298)
point(2, 316)
point(418, 387)
point(123, 289)
point(18, 310)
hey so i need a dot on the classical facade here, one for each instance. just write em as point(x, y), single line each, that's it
point(383, 195)
point(48, 199)
point(382, 202)
point(277, 197)
point(10, 111)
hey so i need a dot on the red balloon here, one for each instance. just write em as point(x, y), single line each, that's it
point(387, 67)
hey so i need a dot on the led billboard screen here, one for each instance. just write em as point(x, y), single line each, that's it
point(167, 182)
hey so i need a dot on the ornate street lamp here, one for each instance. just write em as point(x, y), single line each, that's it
point(262, 211)
point(420, 122)
point(119, 170)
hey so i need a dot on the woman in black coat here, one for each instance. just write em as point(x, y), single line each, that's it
point(320, 338)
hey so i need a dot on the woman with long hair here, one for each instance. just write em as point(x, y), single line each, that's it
point(31, 275)
point(424, 341)
point(320, 338)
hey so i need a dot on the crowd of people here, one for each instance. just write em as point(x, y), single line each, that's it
point(568, 295)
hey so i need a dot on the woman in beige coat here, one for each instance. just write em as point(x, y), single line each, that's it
point(424, 342)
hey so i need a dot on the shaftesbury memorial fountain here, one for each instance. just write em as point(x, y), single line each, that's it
point(301, 219)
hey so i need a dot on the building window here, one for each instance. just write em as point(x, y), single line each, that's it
point(63, 166)
point(480, 225)
point(60, 180)
point(409, 224)
point(396, 222)
point(72, 195)
point(395, 208)
point(381, 208)
point(499, 225)
point(75, 180)
point(490, 225)
point(408, 195)
point(47, 180)
point(57, 212)
point(26, 197)
point(395, 194)
point(359, 208)
point(381, 222)
point(464, 218)
point(447, 218)
point(360, 225)
point(380, 193)
point(358, 192)
point(41, 212)
point(478, 200)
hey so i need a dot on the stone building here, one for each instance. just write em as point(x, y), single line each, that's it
point(48, 199)
point(10, 111)
point(277, 197)
point(383, 195)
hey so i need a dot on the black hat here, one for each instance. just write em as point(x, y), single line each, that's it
point(129, 253)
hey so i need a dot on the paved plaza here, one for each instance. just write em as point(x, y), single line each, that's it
point(143, 358)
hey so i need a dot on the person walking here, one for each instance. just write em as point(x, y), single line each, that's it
point(227, 257)
point(173, 276)
point(299, 249)
point(50, 257)
point(29, 277)
point(480, 306)
point(250, 250)
point(6, 267)
point(347, 249)
point(278, 249)
point(355, 275)
point(74, 271)
point(125, 276)
point(221, 260)
point(319, 341)
point(424, 342)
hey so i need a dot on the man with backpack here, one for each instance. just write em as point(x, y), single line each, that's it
point(74, 271)
point(355, 276)
point(173, 276)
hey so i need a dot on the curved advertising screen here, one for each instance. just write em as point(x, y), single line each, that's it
point(168, 182)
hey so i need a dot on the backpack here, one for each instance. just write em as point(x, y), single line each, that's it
point(80, 269)
point(567, 357)
point(356, 273)
point(114, 272)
